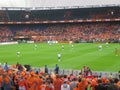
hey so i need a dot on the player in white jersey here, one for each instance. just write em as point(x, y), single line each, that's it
point(100, 47)
point(106, 44)
point(59, 57)
point(35, 46)
point(62, 47)
point(18, 54)
point(72, 46)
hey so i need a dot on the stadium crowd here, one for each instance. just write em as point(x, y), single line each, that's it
point(5, 34)
point(3, 16)
point(18, 77)
point(77, 32)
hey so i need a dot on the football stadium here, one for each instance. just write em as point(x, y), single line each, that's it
point(60, 45)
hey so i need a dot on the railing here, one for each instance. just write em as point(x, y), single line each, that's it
point(76, 72)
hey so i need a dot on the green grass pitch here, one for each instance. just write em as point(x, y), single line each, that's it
point(83, 54)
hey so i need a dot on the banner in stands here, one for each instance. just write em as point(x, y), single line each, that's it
point(64, 21)
point(6, 43)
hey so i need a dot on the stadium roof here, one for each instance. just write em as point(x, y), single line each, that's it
point(58, 3)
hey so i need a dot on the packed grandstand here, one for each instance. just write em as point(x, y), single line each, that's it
point(63, 25)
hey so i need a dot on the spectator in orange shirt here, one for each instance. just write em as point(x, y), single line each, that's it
point(82, 84)
point(49, 85)
point(7, 82)
point(57, 83)
point(0, 82)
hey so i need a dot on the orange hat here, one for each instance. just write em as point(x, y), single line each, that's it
point(9, 72)
point(22, 73)
point(13, 66)
point(95, 79)
point(103, 80)
point(88, 80)
point(47, 76)
point(32, 73)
